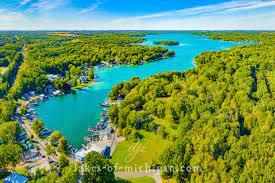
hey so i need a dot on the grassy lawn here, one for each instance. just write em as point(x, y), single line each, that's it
point(135, 154)
point(170, 128)
point(144, 179)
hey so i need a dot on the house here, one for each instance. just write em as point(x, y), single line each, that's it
point(15, 178)
point(46, 132)
point(24, 98)
point(119, 100)
point(49, 89)
point(31, 156)
point(56, 92)
point(23, 138)
point(52, 77)
point(98, 66)
point(32, 93)
point(80, 155)
point(82, 79)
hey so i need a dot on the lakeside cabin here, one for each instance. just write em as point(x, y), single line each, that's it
point(52, 77)
point(99, 66)
point(82, 79)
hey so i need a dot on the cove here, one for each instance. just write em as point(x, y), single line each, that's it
point(72, 114)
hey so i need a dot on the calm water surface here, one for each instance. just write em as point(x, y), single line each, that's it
point(72, 114)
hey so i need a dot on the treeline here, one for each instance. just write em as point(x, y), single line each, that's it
point(10, 58)
point(6, 37)
point(222, 111)
point(10, 150)
point(7, 53)
point(263, 37)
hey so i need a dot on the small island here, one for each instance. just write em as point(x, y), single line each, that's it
point(167, 43)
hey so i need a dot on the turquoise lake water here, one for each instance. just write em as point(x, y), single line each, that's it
point(72, 114)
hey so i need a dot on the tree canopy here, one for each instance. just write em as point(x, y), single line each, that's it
point(222, 111)
point(99, 169)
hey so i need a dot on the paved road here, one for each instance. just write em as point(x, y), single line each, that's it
point(154, 174)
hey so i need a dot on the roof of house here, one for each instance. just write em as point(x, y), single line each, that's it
point(83, 152)
point(16, 178)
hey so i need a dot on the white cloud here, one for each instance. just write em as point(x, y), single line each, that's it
point(239, 5)
point(252, 6)
point(7, 16)
point(46, 5)
point(260, 21)
point(24, 2)
point(91, 8)
point(238, 14)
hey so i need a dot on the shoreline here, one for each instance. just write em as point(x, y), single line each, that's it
point(36, 99)
point(108, 65)
point(74, 89)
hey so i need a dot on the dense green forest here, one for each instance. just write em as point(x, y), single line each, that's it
point(10, 60)
point(167, 43)
point(264, 37)
point(222, 111)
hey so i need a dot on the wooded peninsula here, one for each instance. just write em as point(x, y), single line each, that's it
point(167, 43)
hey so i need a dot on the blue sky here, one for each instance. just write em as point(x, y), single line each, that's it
point(137, 14)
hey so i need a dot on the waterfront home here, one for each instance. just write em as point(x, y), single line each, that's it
point(49, 89)
point(46, 133)
point(42, 97)
point(82, 79)
point(106, 103)
point(24, 98)
point(15, 178)
point(119, 100)
point(56, 92)
point(99, 66)
point(23, 138)
point(32, 93)
point(31, 156)
point(52, 77)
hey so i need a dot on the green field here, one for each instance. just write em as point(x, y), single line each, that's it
point(144, 179)
point(135, 154)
